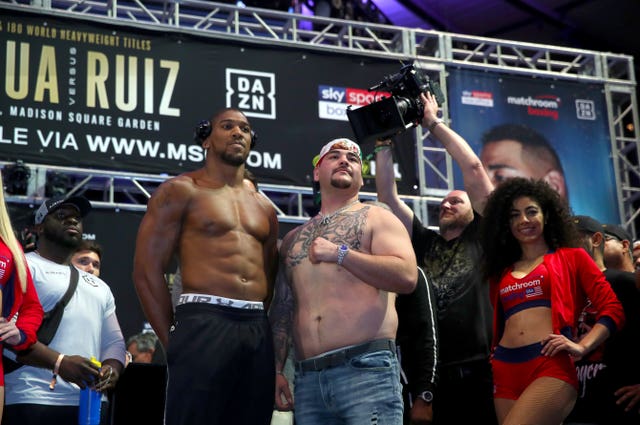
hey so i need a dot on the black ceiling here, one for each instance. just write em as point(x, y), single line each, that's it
point(601, 25)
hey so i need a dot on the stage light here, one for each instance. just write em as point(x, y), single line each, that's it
point(16, 178)
point(57, 184)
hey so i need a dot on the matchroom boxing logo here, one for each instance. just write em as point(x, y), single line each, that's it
point(252, 92)
point(543, 105)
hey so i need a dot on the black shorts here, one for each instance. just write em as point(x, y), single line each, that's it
point(221, 366)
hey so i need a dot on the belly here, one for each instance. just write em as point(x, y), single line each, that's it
point(342, 321)
point(527, 327)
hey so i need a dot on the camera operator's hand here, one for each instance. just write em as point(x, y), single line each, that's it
point(430, 109)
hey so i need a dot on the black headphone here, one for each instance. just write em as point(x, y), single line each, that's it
point(203, 130)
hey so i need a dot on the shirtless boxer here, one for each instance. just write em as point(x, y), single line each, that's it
point(335, 295)
point(219, 345)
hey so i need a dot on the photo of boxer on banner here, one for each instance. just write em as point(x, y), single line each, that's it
point(556, 131)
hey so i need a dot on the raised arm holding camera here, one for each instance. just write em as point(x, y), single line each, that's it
point(402, 110)
point(451, 259)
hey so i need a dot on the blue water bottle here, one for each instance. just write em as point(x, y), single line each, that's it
point(90, 399)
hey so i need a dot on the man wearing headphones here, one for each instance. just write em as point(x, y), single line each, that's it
point(224, 235)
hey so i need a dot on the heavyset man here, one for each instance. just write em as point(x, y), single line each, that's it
point(335, 297)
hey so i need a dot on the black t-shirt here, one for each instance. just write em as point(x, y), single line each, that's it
point(614, 363)
point(463, 305)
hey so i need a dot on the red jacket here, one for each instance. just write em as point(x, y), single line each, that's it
point(573, 277)
point(26, 305)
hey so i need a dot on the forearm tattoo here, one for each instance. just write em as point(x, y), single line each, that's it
point(281, 317)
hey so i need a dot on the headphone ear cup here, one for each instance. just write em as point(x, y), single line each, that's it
point(254, 139)
point(202, 131)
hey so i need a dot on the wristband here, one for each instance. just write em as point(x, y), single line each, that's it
point(380, 148)
point(56, 368)
point(434, 124)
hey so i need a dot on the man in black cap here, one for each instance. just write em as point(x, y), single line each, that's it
point(617, 248)
point(88, 328)
point(609, 376)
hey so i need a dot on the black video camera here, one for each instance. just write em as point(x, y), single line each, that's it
point(395, 114)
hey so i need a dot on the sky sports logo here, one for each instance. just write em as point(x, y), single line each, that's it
point(477, 98)
point(334, 101)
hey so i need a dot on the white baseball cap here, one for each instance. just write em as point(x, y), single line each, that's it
point(338, 144)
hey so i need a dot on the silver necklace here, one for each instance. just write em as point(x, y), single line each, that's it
point(325, 219)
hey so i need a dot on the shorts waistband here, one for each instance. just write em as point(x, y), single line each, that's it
point(342, 356)
point(518, 354)
point(218, 300)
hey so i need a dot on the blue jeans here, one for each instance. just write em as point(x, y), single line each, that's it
point(365, 390)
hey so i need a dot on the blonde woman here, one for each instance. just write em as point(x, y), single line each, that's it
point(20, 309)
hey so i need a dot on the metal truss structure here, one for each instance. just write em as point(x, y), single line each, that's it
point(430, 50)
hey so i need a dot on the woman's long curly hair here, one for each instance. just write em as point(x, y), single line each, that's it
point(501, 249)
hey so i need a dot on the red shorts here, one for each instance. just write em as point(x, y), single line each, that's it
point(515, 368)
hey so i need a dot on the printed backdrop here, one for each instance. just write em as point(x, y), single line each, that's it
point(570, 115)
point(121, 99)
